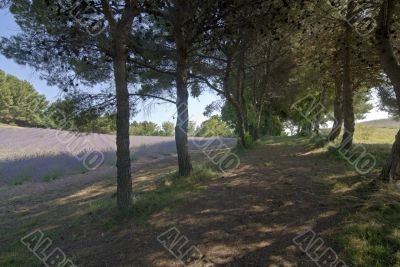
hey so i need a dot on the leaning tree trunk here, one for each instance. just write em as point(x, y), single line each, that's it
point(124, 180)
point(181, 129)
point(348, 110)
point(392, 69)
point(337, 111)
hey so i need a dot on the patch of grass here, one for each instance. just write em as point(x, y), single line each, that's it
point(18, 255)
point(15, 254)
point(368, 140)
point(53, 175)
point(371, 236)
point(83, 169)
point(374, 135)
point(369, 232)
point(268, 164)
point(174, 190)
point(283, 140)
point(393, 123)
point(20, 179)
point(377, 141)
point(103, 212)
point(171, 191)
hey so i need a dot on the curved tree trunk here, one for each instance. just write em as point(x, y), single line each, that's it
point(337, 111)
point(348, 110)
point(392, 69)
point(182, 123)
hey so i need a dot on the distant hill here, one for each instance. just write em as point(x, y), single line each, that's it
point(383, 123)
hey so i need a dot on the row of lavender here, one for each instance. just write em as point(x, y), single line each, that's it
point(31, 154)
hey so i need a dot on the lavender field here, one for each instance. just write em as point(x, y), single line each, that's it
point(33, 154)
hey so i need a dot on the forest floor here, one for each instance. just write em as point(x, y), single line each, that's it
point(247, 217)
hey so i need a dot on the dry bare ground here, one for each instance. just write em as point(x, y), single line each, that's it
point(247, 217)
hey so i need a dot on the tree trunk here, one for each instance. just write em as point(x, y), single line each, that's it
point(240, 124)
point(348, 111)
point(257, 106)
point(387, 56)
point(318, 117)
point(181, 129)
point(392, 69)
point(316, 126)
point(391, 170)
point(257, 130)
point(270, 122)
point(231, 98)
point(306, 129)
point(240, 87)
point(119, 33)
point(255, 133)
point(124, 179)
point(337, 111)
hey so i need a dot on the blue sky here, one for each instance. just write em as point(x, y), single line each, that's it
point(158, 113)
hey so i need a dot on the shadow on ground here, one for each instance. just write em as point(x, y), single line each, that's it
point(247, 217)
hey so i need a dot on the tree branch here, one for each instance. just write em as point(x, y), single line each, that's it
point(108, 12)
point(207, 82)
point(153, 96)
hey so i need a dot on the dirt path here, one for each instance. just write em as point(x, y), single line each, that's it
point(245, 218)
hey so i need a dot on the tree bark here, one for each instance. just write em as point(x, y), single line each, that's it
point(337, 110)
point(181, 129)
point(387, 56)
point(241, 125)
point(257, 128)
point(318, 118)
point(241, 102)
point(348, 110)
point(124, 179)
point(234, 96)
point(119, 31)
point(392, 69)
point(270, 123)
point(306, 129)
point(240, 87)
point(391, 170)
